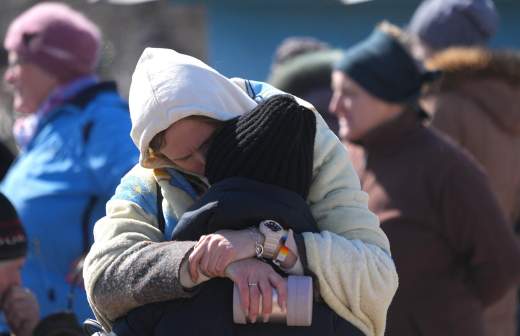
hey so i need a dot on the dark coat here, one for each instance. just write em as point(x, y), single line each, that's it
point(453, 249)
point(477, 103)
point(238, 203)
point(234, 203)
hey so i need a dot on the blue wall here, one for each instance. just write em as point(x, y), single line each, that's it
point(243, 34)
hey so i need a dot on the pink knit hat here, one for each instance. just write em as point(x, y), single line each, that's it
point(57, 38)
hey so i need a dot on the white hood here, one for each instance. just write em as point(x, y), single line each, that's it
point(168, 86)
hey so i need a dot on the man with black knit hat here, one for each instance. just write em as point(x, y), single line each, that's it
point(17, 303)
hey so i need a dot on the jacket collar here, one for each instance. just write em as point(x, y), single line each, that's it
point(86, 95)
point(80, 100)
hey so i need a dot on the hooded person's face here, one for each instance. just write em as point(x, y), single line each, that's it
point(186, 143)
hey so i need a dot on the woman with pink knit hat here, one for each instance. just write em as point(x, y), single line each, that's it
point(72, 132)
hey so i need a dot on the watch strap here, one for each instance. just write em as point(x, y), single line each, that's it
point(281, 256)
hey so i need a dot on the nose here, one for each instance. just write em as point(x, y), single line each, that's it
point(340, 105)
point(198, 163)
point(9, 76)
point(334, 104)
point(200, 158)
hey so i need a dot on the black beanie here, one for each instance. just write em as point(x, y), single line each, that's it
point(273, 144)
point(13, 241)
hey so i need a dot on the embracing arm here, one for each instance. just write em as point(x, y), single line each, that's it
point(351, 255)
point(129, 264)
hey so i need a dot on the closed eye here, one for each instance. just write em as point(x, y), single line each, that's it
point(184, 158)
point(202, 149)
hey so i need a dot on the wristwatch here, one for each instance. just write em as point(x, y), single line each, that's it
point(273, 233)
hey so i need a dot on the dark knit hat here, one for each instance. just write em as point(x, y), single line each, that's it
point(305, 72)
point(308, 77)
point(295, 46)
point(13, 241)
point(382, 66)
point(273, 144)
point(442, 24)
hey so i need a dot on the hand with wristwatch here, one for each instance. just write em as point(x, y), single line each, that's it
point(274, 243)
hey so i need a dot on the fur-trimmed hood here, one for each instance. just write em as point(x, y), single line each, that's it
point(491, 79)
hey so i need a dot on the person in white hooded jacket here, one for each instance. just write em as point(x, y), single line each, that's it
point(132, 263)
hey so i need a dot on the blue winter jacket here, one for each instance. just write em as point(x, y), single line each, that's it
point(60, 184)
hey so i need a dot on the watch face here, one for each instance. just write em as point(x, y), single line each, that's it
point(273, 226)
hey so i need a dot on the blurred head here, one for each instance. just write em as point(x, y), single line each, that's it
point(294, 46)
point(357, 110)
point(185, 143)
point(301, 67)
point(29, 83)
point(373, 82)
point(55, 38)
point(440, 24)
point(13, 246)
point(308, 76)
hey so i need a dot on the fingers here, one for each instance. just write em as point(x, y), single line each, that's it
point(254, 300)
point(16, 315)
point(17, 296)
point(243, 290)
point(224, 260)
point(15, 293)
point(196, 256)
point(212, 265)
point(215, 252)
point(281, 287)
point(267, 299)
point(261, 280)
point(204, 263)
point(21, 311)
point(211, 255)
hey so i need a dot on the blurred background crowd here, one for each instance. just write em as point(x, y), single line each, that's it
point(464, 85)
point(206, 30)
